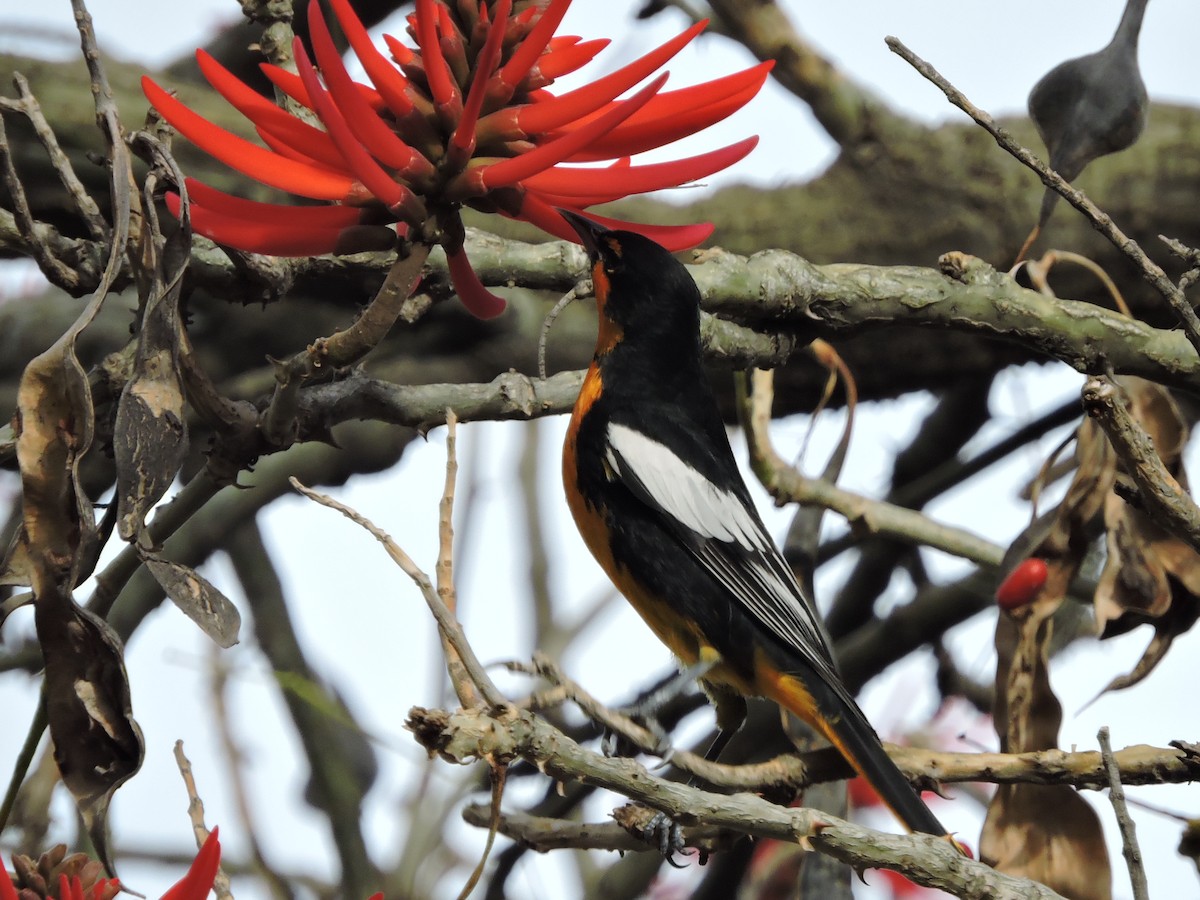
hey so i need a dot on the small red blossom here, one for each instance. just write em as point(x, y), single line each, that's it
point(463, 118)
point(198, 881)
point(1022, 584)
point(195, 885)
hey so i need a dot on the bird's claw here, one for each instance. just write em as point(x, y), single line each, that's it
point(665, 833)
point(654, 828)
point(612, 742)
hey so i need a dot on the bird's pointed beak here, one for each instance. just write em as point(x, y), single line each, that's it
point(589, 232)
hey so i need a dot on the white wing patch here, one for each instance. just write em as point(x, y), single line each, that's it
point(681, 491)
point(725, 537)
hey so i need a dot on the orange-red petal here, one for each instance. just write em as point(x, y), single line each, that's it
point(437, 70)
point(285, 149)
point(539, 37)
point(401, 53)
point(363, 121)
point(217, 201)
point(676, 114)
point(462, 142)
point(673, 237)
point(538, 117)
point(510, 171)
point(260, 164)
point(639, 179)
point(7, 890)
point(280, 238)
point(269, 118)
point(388, 80)
point(288, 82)
point(379, 183)
point(198, 881)
point(474, 296)
point(558, 63)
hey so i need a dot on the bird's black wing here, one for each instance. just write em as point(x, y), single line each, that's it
point(726, 537)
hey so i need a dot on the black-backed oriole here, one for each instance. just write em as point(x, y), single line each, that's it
point(652, 483)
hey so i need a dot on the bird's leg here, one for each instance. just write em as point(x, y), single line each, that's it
point(731, 715)
point(648, 707)
point(662, 830)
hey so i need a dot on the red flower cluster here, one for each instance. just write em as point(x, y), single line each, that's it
point(195, 885)
point(462, 118)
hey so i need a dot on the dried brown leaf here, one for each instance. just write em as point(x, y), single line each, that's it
point(198, 598)
point(1133, 584)
point(1073, 526)
point(1027, 713)
point(1156, 411)
point(1179, 619)
point(97, 743)
point(149, 441)
point(1050, 834)
point(54, 419)
point(1046, 833)
point(150, 433)
point(1150, 575)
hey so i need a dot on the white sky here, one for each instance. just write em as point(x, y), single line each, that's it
point(994, 52)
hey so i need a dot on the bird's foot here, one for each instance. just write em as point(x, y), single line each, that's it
point(656, 829)
point(615, 744)
point(648, 709)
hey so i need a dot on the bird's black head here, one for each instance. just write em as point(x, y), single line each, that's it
point(642, 291)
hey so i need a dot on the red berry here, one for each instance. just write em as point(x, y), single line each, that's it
point(1022, 584)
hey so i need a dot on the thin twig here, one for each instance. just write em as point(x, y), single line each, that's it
point(614, 720)
point(545, 833)
point(1039, 271)
point(235, 767)
point(1164, 498)
point(563, 302)
point(1189, 255)
point(108, 117)
point(61, 163)
point(1140, 764)
point(1100, 220)
point(499, 775)
point(446, 620)
point(862, 513)
point(196, 815)
point(1129, 842)
point(444, 569)
point(33, 737)
point(58, 272)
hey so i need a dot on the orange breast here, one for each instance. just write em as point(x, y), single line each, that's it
point(679, 633)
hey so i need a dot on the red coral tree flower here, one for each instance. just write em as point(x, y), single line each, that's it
point(195, 885)
point(463, 118)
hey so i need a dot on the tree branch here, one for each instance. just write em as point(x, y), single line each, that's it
point(1165, 500)
point(469, 735)
point(1099, 219)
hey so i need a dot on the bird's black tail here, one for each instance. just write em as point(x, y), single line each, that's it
point(843, 723)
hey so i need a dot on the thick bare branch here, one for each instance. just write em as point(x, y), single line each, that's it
point(510, 733)
point(851, 114)
point(1100, 220)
